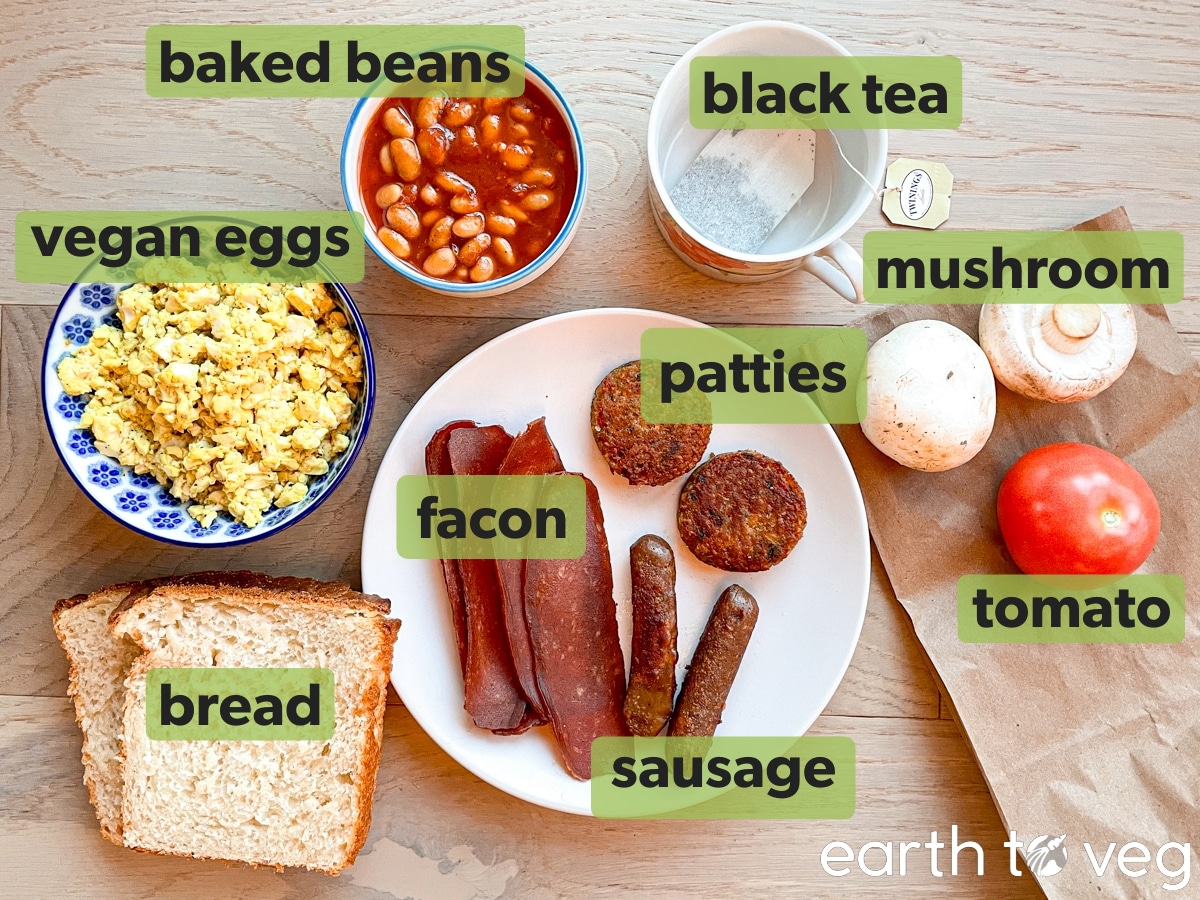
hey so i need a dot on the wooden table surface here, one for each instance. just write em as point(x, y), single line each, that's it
point(1071, 107)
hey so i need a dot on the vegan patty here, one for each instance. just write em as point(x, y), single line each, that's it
point(641, 452)
point(741, 512)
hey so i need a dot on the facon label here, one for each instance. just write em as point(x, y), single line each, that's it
point(491, 516)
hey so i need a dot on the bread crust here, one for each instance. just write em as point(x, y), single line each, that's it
point(369, 770)
point(111, 831)
point(254, 587)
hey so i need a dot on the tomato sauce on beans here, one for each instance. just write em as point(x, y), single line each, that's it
point(468, 190)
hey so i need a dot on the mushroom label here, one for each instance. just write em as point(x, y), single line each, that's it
point(916, 192)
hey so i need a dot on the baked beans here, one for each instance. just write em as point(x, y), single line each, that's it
point(468, 190)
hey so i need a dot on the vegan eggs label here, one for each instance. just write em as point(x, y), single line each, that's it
point(172, 246)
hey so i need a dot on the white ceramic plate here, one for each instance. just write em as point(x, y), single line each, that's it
point(811, 605)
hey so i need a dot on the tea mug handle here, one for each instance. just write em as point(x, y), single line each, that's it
point(844, 274)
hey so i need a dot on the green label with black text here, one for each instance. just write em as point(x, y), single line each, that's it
point(825, 92)
point(723, 778)
point(335, 60)
point(173, 246)
point(1071, 609)
point(1023, 267)
point(239, 704)
point(753, 375)
point(491, 516)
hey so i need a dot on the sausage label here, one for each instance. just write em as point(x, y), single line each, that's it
point(723, 778)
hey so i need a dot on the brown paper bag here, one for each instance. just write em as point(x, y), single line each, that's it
point(1098, 742)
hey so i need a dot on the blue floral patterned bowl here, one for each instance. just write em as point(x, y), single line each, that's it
point(139, 502)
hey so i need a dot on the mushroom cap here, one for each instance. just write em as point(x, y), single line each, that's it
point(931, 399)
point(1062, 353)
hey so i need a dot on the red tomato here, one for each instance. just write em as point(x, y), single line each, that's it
point(1074, 509)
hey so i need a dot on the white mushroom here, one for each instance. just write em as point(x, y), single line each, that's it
point(931, 400)
point(1058, 352)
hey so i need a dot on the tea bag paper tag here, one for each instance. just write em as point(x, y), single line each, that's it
point(916, 193)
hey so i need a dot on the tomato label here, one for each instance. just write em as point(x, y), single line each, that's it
point(1071, 609)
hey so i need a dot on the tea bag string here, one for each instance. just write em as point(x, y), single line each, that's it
point(878, 192)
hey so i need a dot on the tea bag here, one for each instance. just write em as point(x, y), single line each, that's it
point(743, 183)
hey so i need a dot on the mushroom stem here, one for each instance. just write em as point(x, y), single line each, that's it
point(1069, 326)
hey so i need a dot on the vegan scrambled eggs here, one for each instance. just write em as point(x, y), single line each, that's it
point(234, 395)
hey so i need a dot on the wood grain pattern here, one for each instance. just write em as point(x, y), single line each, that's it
point(1071, 108)
point(440, 833)
point(54, 542)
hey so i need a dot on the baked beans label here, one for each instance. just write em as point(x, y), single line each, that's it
point(161, 246)
point(239, 704)
point(335, 60)
point(825, 92)
point(1071, 609)
point(723, 778)
point(1023, 267)
point(753, 375)
point(491, 516)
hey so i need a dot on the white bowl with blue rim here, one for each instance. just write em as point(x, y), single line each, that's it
point(360, 120)
point(139, 502)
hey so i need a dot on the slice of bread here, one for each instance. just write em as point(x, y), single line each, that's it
point(99, 662)
point(277, 803)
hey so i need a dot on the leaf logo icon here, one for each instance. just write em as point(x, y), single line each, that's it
point(1046, 855)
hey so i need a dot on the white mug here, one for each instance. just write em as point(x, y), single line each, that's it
point(810, 236)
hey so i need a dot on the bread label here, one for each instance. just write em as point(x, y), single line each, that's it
point(239, 704)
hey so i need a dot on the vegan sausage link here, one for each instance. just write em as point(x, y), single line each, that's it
point(715, 664)
point(655, 636)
